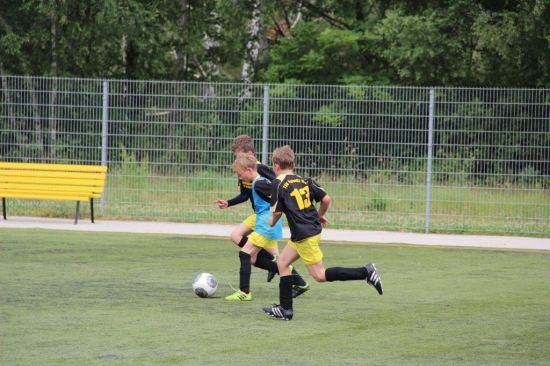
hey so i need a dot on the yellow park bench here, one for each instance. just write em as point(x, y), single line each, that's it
point(52, 182)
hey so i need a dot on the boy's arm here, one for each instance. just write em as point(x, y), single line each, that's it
point(232, 202)
point(266, 172)
point(263, 189)
point(273, 219)
point(323, 207)
point(242, 197)
point(237, 199)
point(275, 204)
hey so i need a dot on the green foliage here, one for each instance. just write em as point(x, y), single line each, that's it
point(315, 54)
point(451, 43)
point(422, 49)
point(130, 167)
point(376, 202)
point(328, 115)
point(514, 46)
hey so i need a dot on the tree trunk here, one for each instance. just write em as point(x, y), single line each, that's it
point(53, 94)
point(248, 73)
point(7, 98)
point(38, 134)
point(181, 45)
point(211, 43)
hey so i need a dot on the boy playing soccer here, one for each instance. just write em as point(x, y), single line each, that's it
point(244, 144)
point(294, 196)
point(264, 235)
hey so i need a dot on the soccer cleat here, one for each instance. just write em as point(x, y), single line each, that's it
point(373, 278)
point(239, 296)
point(270, 275)
point(298, 290)
point(278, 312)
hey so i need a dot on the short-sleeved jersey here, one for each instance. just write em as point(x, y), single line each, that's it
point(261, 195)
point(294, 196)
point(246, 187)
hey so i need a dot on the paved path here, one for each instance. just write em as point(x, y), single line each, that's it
point(328, 234)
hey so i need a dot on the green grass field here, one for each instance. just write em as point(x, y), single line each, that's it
point(88, 298)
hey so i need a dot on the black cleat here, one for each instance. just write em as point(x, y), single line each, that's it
point(298, 290)
point(373, 279)
point(271, 275)
point(278, 312)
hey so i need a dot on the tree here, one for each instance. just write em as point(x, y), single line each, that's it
point(515, 46)
point(431, 49)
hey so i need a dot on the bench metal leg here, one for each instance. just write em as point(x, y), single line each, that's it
point(92, 209)
point(4, 207)
point(76, 215)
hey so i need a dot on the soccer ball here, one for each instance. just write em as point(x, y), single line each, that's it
point(205, 285)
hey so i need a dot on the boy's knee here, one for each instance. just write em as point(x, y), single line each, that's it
point(235, 238)
point(319, 278)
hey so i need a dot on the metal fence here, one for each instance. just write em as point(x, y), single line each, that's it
point(392, 158)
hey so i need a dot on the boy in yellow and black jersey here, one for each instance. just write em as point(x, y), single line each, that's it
point(244, 144)
point(295, 196)
point(264, 235)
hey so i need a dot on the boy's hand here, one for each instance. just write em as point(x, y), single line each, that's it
point(222, 203)
point(323, 221)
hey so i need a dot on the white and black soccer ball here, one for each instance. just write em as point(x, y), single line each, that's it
point(205, 285)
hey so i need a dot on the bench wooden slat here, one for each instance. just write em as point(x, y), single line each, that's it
point(62, 181)
point(39, 174)
point(25, 188)
point(54, 167)
point(52, 181)
point(38, 195)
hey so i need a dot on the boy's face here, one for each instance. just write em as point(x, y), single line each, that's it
point(247, 175)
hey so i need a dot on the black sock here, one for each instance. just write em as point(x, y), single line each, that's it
point(345, 274)
point(297, 279)
point(265, 254)
point(243, 241)
point(271, 266)
point(285, 292)
point(266, 264)
point(245, 271)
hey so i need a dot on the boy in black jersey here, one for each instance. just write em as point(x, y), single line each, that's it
point(264, 235)
point(244, 144)
point(294, 196)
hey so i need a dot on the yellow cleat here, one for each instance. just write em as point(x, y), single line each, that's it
point(239, 296)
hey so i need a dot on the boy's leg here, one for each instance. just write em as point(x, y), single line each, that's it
point(240, 234)
point(312, 256)
point(368, 273)
point(245, 271)
point(264, 253)
point(284, 311)
point(242, 230)
point(297, 280)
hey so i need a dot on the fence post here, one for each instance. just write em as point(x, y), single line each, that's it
point(265, 124)
point(104, 129)
point(430, 153)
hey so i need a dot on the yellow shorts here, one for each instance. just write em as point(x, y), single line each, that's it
point(308, 249)
point(250, 222)
point(261, 241)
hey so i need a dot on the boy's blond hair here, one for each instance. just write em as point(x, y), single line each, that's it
point(284, 157)
point(245, 161)
point(242, 143)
